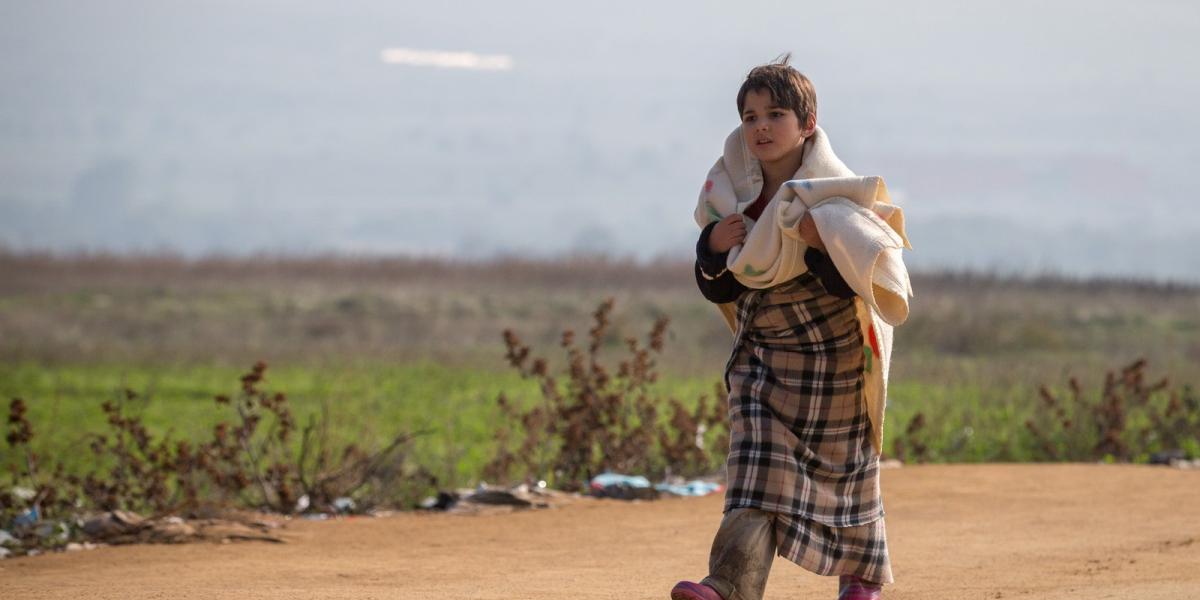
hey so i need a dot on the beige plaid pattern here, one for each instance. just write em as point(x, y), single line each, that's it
point(800, 443)
point(824, 550)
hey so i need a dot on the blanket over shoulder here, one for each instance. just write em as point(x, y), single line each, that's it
point(862, 230)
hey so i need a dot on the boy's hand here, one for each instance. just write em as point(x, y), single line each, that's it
point(808, 232)
point(728, 233)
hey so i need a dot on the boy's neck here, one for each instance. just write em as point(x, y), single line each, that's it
point(784, 169)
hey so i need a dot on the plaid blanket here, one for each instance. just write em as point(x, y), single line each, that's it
point(800, 434)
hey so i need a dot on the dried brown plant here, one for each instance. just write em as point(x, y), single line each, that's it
point(908, 447)
point(1121, 423)
point(249, 462)
point(591, 420)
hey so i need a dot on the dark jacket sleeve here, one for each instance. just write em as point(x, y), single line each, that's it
point(723, 288)
point(822, 266)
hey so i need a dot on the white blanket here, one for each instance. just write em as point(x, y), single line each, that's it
point(862, 230)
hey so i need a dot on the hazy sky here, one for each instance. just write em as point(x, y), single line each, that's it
point(1018, 135)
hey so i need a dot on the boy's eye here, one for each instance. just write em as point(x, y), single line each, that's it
point(748, 118)
point(776, 114)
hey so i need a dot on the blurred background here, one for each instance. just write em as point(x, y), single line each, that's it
point(365, 195)
point(1020, 137)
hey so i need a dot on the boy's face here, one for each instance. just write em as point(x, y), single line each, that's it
point(771, 132)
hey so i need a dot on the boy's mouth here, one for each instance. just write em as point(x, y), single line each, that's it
point(762, 142)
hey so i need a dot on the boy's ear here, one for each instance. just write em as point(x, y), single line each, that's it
point(810, 126)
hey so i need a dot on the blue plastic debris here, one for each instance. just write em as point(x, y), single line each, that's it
point(628, 487)
point(622, 487)
point(696, 487)
point(26, 518)
point(604, 480)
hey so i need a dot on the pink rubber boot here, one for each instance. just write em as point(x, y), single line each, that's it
point(686, 590)
point(851, 587)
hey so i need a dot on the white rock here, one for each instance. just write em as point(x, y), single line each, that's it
point(74, 547)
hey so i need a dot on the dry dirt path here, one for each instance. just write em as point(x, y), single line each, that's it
point(955, 531)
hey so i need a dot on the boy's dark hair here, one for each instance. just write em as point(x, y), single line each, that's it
point(788, 87)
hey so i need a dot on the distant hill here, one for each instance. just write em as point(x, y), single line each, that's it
point(1018, 137)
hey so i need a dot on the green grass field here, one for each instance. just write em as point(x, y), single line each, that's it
point(369, 404)
point(385, 349)
point(366, 404)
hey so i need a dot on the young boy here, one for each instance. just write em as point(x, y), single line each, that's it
point(802, 470)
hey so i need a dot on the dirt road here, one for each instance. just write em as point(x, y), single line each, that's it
point(970, 531)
